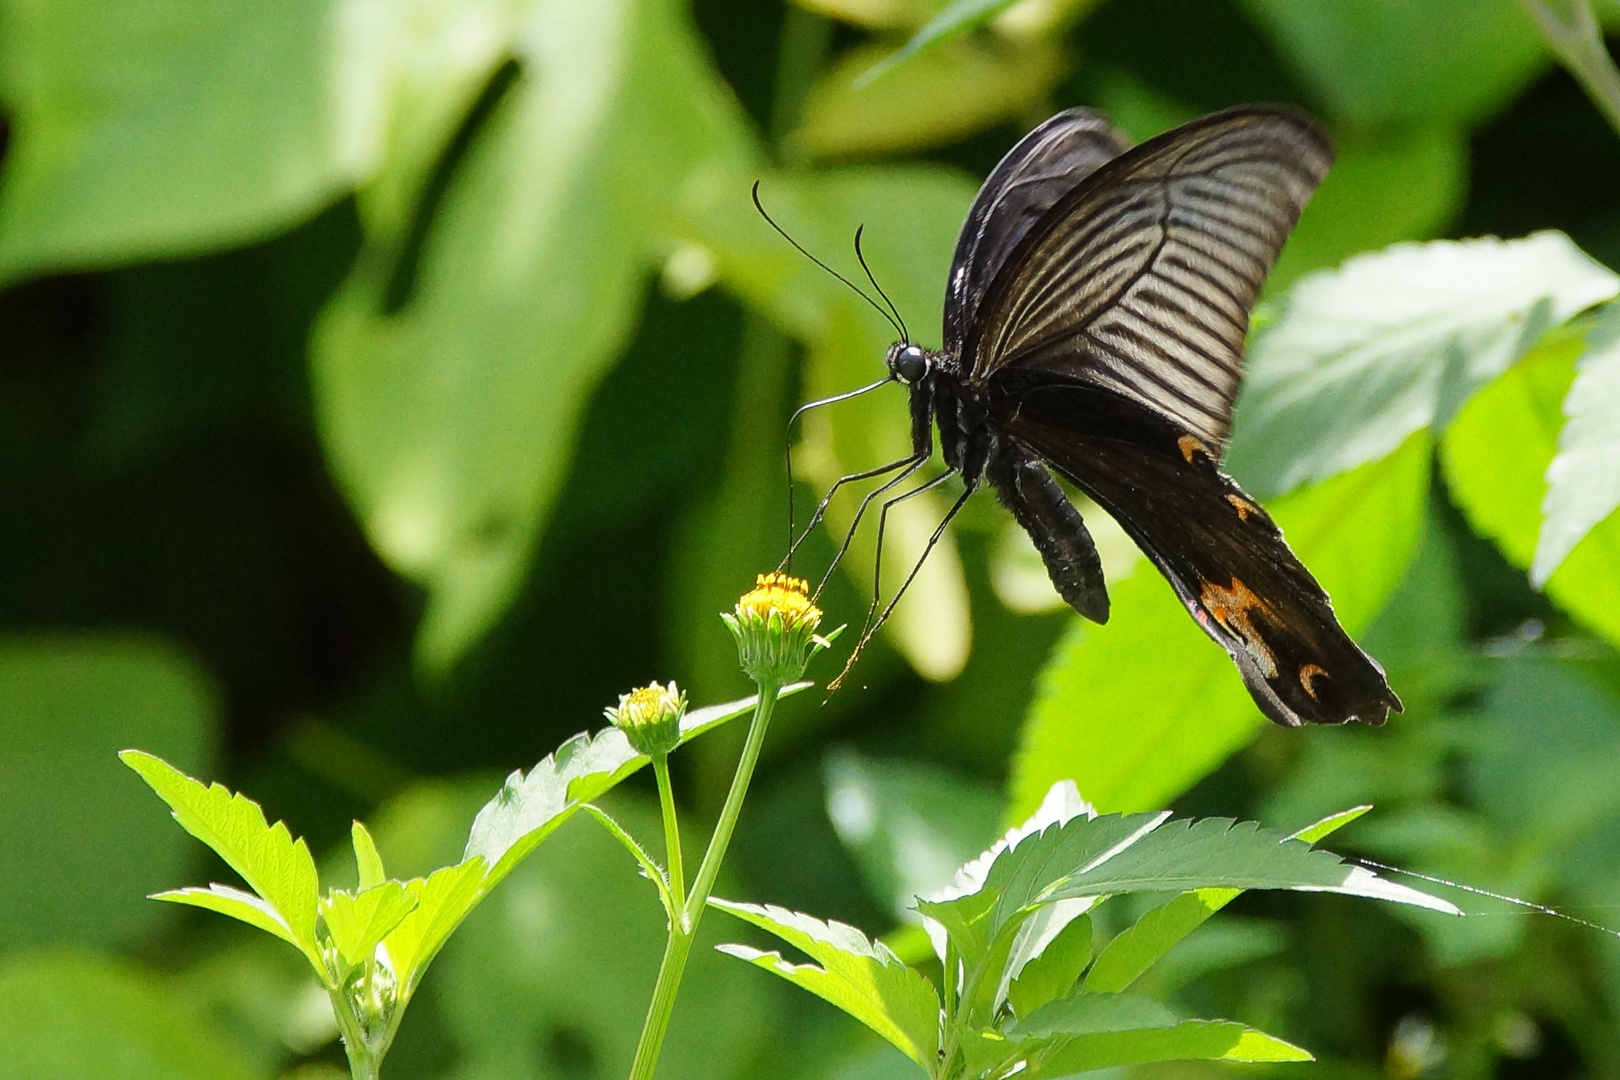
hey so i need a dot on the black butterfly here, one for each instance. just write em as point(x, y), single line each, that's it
point(1095, 318)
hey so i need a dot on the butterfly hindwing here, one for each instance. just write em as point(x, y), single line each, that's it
point(1221, 552)
point(1140, 279)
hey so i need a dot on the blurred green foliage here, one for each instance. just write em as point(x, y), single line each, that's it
point(389, 385)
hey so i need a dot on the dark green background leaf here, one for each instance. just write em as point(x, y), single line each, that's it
point(81, 840)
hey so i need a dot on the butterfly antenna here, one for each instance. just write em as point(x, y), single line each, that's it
point(898, 326)
point(905, 335)
point(794, 540)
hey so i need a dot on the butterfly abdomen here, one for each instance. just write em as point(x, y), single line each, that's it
point(1043, 510)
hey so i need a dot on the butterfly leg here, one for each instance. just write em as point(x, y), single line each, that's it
point(793, 545)
point(912, 464)
point(1044, 511)
point(821, 507)
point(873, 625)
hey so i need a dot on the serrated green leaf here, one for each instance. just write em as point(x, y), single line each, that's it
point(1393, 342)
point(239, 905)
point(989, 1053)
point(1035, 932)
point(963, 912)
point(1088, 1031)
point(859, 976)
point(1090, 1013)
point(530, 807)
point(1139, 710)
point(1054, 971)
point(996, 922)
point(1191, 1040)
point(1495, 459)
point(358, 921)
point(1583, 481)
point(366, 858)
point(1137, 948)
point(1024, 874)
point(443, 899)
point(1314, 833)
point(965, 920)
point(1183, 855)
point(983, 989)
point(274, 865)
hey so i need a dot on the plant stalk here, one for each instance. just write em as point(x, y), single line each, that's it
point(363, 1063)
point(683, 931)
point(670, 971)
point(672, 842)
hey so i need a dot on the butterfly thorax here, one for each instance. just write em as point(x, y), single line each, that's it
point(967, 439)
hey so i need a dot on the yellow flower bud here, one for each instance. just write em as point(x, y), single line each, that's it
point(650, 718)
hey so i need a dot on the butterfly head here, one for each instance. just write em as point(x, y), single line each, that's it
point(907, 362)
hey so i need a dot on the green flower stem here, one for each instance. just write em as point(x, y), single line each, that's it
point(948, 968)
point(648, 867)
point(676, 950)
point(683, 931)
point(363, 1063)
point(709, 869)
point(672, 840)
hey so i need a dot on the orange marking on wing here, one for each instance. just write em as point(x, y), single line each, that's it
point(1234, 608)
point(1243, 506)
point(1191, 446)
point(1309, 672)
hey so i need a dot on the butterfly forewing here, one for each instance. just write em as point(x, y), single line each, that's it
point(1141, 278)
point(1044, 166)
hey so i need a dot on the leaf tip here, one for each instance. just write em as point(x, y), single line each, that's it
point(139, 760)
point(741, 952)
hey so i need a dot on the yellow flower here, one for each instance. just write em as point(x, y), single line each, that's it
point(775, 627)
point(650, 718)
point(786, 596)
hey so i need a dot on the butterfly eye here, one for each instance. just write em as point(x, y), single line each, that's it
point(908, 363)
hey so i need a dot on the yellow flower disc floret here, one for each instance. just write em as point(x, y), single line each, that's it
point(650, 717)
point(775, 627)
point(787, 596)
